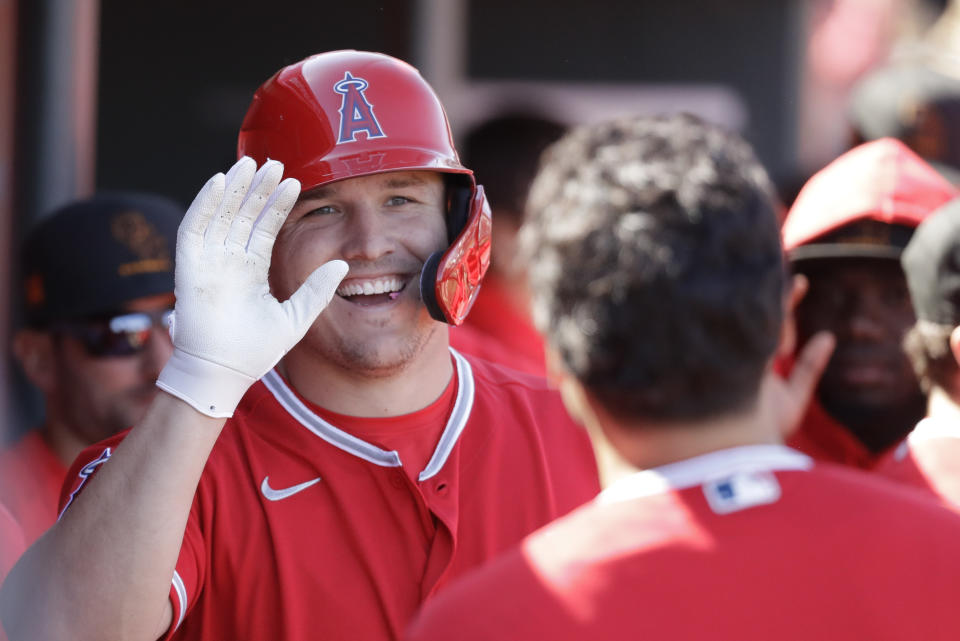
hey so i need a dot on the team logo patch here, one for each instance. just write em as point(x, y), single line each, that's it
point(356, 113)
point(84, 475)
point(741, 491)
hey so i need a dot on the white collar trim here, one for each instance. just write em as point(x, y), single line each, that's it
point(367, 451)
point(704, 468)
point(930, 428)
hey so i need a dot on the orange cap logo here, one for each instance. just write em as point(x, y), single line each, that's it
point(133, 230)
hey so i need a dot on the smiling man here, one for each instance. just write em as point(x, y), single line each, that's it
point(305, 476)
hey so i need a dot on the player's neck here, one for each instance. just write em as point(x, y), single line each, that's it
point(942, 406)
point(651, 444)
point(414, 386)
point(66, 444)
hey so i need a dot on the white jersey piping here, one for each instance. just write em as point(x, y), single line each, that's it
point(930, 428)
point(462, 408)
point(181, 591)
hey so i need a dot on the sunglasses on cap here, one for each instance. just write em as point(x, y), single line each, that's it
point(122, 334)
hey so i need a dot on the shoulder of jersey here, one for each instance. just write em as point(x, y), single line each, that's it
point(872, 493)
point(500, 374)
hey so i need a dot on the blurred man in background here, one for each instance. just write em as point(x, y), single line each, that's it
point(929, 457)
point(915, 95)
point(505, 151)
point(845, 233)
point(916, 103)
point(657, 275)
point(98, 289)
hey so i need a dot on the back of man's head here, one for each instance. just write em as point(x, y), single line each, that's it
point(656, 267)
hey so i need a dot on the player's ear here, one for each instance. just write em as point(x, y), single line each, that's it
point(797, 287)
point(34, 350)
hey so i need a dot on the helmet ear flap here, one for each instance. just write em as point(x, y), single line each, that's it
point(428, 289)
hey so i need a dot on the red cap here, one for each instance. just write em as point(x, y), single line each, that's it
point(881, 181)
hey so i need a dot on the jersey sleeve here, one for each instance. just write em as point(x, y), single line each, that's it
point(188, 575)
point(12, 542)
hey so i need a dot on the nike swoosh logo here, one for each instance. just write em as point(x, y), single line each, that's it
point(278, 495)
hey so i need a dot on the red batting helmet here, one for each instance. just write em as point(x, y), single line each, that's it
point(344, 114)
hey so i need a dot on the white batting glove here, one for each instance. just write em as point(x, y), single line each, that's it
point(228, 328)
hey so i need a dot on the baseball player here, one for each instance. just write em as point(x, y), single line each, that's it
point(327, 495)
point(97, 293)
point(657, 274)
point(928, 457)
point(845, 233)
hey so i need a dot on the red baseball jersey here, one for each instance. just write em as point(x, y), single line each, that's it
point(31, 476)
point(754, 542)
point(12, 543)
point(929, 459)
point(829, 441)
point(301, 530)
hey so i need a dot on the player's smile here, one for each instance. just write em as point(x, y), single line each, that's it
point(370, 291)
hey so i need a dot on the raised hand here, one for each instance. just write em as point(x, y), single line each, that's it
point(228, 329)
point(787, 397)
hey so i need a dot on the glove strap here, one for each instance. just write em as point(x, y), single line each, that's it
point(211, 389)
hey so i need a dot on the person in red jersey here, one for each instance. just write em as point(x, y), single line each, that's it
point(658, 277)
point(309, 475)
point(97, 290)
point(844, 233)
point(928, 457)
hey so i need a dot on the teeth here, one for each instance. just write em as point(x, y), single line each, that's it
point(371, 287)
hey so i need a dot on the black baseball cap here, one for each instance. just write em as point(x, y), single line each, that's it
point(92, 256)
point(931, 263)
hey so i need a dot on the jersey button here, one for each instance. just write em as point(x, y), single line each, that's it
point(396, 480)
point(442, 488)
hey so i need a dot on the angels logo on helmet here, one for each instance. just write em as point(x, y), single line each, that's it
point(356, 113)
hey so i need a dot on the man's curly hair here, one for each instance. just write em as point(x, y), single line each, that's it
point(927, 345)
point(656, 269)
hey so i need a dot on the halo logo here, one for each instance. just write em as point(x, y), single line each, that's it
point(356, 114)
